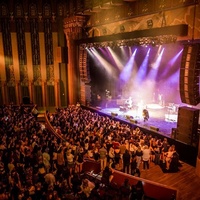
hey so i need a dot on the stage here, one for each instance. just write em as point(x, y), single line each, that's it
point(162, 123)
point(162, 119)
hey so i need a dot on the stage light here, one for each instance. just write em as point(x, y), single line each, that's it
point(142, 41)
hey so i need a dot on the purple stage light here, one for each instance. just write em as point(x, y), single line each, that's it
point(148, 71)
point(127, 71)
point(143, 69)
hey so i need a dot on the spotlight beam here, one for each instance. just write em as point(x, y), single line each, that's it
point(127, 71)
point(107, 66)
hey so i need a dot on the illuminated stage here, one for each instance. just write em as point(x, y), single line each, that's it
point(162, 123)
point(149, 75)
point(162, 118)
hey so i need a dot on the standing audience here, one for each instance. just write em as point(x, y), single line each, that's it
point(36, 164)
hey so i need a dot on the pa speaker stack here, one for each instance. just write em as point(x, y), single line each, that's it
point(133, 121)
point(187, 125)
point(189, 74)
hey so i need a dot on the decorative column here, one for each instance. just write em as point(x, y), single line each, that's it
point(33, 93)
point(30, 87)
point(73, 30)
point(18, 93)
point(57, 92)
point(4, 96)
point(44, 93)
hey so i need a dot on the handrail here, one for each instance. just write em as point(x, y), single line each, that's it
point(50, 128)
point(152, 189)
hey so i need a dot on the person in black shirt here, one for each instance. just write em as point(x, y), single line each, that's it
point(76, 183)
point(107, 176)
point(80, 160)
point(134, 170)
point(96, 154)
point(126, 161)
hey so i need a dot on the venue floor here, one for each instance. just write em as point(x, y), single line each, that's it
point(162, 119)
point(185, 181)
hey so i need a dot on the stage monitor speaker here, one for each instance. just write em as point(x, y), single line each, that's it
point(98, 107)
point(187, 125)
point(133, 121)
point(122, 108)
point(154, 128)
point(26, 100)
point(113, 114)
point(189, 74)
point(128, 117)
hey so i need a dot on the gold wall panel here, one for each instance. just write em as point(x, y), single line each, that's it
point(2, 61)
point(56, 64)
point(42, 56)
point(29, 56)
point(15, 56)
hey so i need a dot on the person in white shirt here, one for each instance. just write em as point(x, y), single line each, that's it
point(169, 156)
point(146, 157)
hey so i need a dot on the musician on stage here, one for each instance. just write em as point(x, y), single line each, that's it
point(129, 103)
point(145, 114)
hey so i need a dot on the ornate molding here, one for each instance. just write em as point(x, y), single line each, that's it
point(10, 76)
point(50, 75)
point(24, 75)
point(37, 75)
point(73, 26)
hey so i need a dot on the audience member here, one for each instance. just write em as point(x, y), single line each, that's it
point(133, 164)
point(126, 161)
point(107, 176)
point(76, 183)
point(103, 157)
point(168, 157)
point(139, 154)
point(146, 157)
point(125, 189)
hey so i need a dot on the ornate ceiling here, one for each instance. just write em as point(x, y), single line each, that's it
point(102, 17)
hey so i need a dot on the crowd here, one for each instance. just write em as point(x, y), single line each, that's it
point(35, 164)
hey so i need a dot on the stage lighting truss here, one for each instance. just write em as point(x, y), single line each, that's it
point(143, 41)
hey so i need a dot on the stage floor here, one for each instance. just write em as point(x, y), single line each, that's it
point(162, 119)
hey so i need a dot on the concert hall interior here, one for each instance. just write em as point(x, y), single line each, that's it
point(134, 61)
